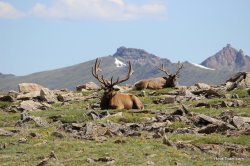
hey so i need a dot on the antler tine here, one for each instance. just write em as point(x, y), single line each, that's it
point(179, 68)
point(164, 70)
point(95, 71)
point(130, 72)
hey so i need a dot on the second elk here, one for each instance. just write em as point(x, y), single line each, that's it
point(160, 82)
point(111, 99)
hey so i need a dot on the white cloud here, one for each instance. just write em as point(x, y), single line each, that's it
point(98, 9)
point(7, 11)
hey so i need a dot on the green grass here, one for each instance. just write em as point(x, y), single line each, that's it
point(135, 150)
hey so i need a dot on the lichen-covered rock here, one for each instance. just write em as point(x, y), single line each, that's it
point(29, 87)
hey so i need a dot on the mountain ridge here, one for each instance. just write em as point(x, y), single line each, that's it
point(143, 63)
point(228, 58)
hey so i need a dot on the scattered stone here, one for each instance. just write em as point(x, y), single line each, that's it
point(36, 135)
point(167, 142)
point(28, 95)
point(203, 86)
point(48, 96)
point(25, 117)
point(166, 100)
point(150, 163)
point(46, 160)
point(22, 140)
point(70, 97)
point(7, 98)
point(120, 141)
point(239, 122)
point(57, 134)
point(240, 80)
point(107, 160)
point(211, 128)
point(87, 86)
point(6, 133)
point(233, 103)
point(206, 105)
point(210, 93)
point(30, 105)
point(29, 87)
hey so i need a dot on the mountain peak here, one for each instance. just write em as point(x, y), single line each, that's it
point(132, 53)
point(228, 58)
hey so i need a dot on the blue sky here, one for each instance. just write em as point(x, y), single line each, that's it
point(38, 35)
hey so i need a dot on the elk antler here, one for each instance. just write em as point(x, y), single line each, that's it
point(105, 82)
point(95, 71)
point(162, 68)
point(179, 68)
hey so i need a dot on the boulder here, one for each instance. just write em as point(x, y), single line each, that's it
point(29, 95)
point(7, 98)
point(48, 96)
point(240, 80)
point(6, 133)
point(29, 87)
point(87, 86)
point(70, 96)
point(203, 86)
point(30, 105)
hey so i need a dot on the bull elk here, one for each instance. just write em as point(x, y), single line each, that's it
point(111, 99)
point(160, 82)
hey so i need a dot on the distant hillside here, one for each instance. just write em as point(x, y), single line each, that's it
point(228, 59)
point(144, 64)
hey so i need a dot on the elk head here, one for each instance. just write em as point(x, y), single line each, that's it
point(112, 99)
point(171, 79)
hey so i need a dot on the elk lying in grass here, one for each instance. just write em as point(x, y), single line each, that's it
point(111, 99)
point(160, 82)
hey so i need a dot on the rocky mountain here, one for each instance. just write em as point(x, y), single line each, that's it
point(228, 59)
point(144, 64)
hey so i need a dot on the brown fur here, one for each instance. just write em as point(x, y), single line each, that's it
point(155, 83)
point(111, 99)
point(114, 100)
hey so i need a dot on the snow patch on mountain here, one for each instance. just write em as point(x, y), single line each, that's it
point(203, 67)
point(119, 63)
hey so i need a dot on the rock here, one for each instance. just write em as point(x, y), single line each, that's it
point(206, 105)
point(28, 95)
point(240, 80)
point(7, 98)
point(22, 140)
point(203, 86)
point(209, 93)
point(29, 87)
point(13, 93)
point(239, 122)
point(87, 86)
point(30, 105)
point(6, 133)
point(167, 142)
point(107, 160)
point(184, 131)
point(182, 111)
point(233, 103)
point(25, 117)
point(57, 134)
point(166, 100)
point(205, 120)
point(211, 128)
point(48, 96)
point(248, 91)
point(70, 97)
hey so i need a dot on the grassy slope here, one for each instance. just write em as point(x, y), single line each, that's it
point(135, 151)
